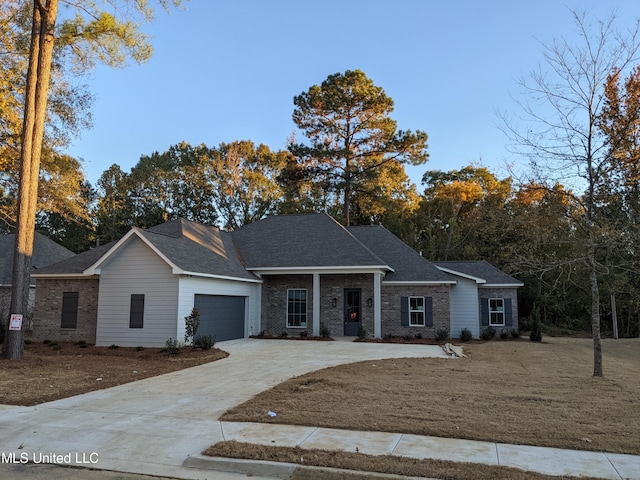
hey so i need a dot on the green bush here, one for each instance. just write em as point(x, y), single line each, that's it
point(504, 334)
point(324, 331)
point(488, 333)
point(113, 346)
point(442, 334)
point(362, 333)
point(139, 348)
point(465, 335)
point(205, 342)
point(171, 347)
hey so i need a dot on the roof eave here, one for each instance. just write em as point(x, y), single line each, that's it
point(478, 280)
point(334, 269)
point(221, 277)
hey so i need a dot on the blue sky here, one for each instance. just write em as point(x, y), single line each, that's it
point(226, 70)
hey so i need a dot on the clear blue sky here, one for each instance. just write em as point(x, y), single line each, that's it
point(226, 70)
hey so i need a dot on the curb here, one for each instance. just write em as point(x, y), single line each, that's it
point(276, 469)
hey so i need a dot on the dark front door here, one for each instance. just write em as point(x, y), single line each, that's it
point(351, 311)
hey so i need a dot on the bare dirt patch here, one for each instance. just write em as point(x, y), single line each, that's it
point(509, 392)
point(45, 374)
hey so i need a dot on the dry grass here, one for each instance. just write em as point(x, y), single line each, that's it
point(504, 391)
point(385, 464)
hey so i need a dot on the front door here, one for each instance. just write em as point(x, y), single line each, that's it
point(351, 311)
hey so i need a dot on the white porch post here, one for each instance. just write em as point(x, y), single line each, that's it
point(377, 306)
point(316, 305)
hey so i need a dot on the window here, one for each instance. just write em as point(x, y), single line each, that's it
point(69, 310)
point(496, 312)
point(416, 311)
point(297, 307)
point(136, 312)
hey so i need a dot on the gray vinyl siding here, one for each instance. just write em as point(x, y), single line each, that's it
point(192, 286)
point(464, 307)
point(136, 269)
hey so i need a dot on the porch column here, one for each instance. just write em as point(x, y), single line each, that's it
point(377, 306)
point(316, 305)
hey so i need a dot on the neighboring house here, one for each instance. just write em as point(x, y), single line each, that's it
point(287, 273)
point(45, 252)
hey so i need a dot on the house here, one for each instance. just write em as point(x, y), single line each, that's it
point(45, 252)
point(285, 273)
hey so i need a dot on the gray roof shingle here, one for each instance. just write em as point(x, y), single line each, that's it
point(45, 252)
point(407, 264)
point(299, 241)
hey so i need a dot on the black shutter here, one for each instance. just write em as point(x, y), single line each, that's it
point(484, 312)
point(404, 311)
point(69, 310)
point(428, 312)
point(508, 313)
point(136, 314)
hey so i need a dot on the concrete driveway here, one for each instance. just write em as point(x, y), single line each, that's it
point(151, 426)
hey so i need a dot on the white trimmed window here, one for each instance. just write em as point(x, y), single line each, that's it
point(297, 307)
point(496, 312)
point(416, 311)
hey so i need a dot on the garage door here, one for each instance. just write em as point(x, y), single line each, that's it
point(220, 315)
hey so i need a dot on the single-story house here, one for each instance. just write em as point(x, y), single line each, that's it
point(285, 273)
point(45, 253)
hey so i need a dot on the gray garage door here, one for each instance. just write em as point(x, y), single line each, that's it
point(220, 315)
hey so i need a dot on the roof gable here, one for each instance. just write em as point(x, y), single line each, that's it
point(481, 271)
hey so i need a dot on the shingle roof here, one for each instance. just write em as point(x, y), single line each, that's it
point(197, 248)
point(305, 240)
point(77, 264)
point(45, 252)
point(407, 264)
point(481, 269)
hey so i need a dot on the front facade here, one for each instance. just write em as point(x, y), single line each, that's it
point(285, 275)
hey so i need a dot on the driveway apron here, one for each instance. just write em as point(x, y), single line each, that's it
point(153, 425)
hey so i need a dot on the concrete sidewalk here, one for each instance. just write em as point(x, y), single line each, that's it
point(549, 461)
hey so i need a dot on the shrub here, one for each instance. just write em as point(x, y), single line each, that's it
point(46, 342)
point(536, 325)
point(192, 322)
point(55, 346)
point(362, 333)
point(304, 334)
point(284, 334)
point(324, 331)
point(504, 334)
point(488, 333)
point(442, 334)
point(27, 341)
point(139, 348)
point(465, 335)
point(205, 342)
point(515, 334)
point(171, 347)
point(418, 336)
point(113, 346)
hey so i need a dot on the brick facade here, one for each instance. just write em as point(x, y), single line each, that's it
point(5, 306)
point(48, 310)
point(332, 287)
point(391, 309)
